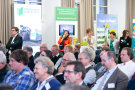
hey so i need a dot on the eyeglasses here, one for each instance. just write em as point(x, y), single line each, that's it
point(68, 72)
point(65, 60)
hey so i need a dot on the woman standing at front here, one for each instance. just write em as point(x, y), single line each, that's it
point(125, 41)
point(90, 39)
point(64, 40)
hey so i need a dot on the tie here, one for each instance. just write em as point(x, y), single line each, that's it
point(103, 80)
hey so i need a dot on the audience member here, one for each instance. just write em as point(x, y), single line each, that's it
point(99, 67)
point(68, 48)
point(74, 73)
point(43, 70)
point(66, 58)
point(73, 86)
point(55, 53)
point(46, 53)
point(63, 41)
point(29, 51)
point(90, 39)
point(125, 41)
point(127, 65)
point(43, 46)
point(4, 67)
point(113, 78)
point(20, 77)
point(86, 57)
point(77, 50)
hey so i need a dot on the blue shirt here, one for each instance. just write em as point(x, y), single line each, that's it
point(24, 80)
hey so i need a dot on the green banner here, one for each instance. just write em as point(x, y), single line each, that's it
point(66, 14)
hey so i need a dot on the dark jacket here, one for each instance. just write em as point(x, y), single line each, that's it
point(17, 44)
point(3, 72)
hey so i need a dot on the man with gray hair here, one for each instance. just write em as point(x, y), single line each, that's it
point(86, 57)
point(43, 71)
point(66, 58)
point(29, 51)
point(4, 67)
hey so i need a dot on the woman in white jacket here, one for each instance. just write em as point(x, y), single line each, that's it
point(91, 40)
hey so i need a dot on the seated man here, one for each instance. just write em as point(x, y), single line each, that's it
point(127, 65)
point(29, 51)
point(43, 46)
point(75, 73)
point(86, 57)
point(66, 58)
point(44, 68)
point(113, 78)
point(55, 53)
point(20, 77)
point(77, 50)
point(4, 67)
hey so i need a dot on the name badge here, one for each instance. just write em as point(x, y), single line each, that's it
point(47, 86)
point(111, 85)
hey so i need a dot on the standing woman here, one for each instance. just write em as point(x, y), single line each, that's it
point(112, 43)
point(125, 41)
point(64, 40)
point(90, 39)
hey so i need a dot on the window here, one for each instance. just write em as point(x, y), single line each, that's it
point(100, 7)
point(35, 2)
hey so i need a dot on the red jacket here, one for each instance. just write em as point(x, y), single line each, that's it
point(66, 42)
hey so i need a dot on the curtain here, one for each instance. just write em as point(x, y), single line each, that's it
point(85, 17)
point(5, 20)
point(130, 14)
point(68, 3)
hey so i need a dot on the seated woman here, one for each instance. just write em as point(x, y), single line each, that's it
point(47, 53)
point(112, 42)
point(90, 39)
point(64, 40)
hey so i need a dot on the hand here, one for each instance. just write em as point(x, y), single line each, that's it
point(61, 69)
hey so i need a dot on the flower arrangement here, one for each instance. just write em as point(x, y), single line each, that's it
point(107, 26)
point(84, 43)
point(75, 39)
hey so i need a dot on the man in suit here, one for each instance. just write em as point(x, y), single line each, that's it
point(43, 46)
point(55, 53)
point(15, 41)
point(113, 78)
point(75, 73)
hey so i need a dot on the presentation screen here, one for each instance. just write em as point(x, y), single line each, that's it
point(70, 28)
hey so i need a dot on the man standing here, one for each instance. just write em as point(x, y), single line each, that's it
point(15, 41)
point(127, 65)
point(113, 78)
point(75, 73)
point(20, 77)
point(55, 53)
point(43, 47)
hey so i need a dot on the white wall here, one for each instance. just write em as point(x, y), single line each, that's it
point(118, 7)
point(48, 21)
